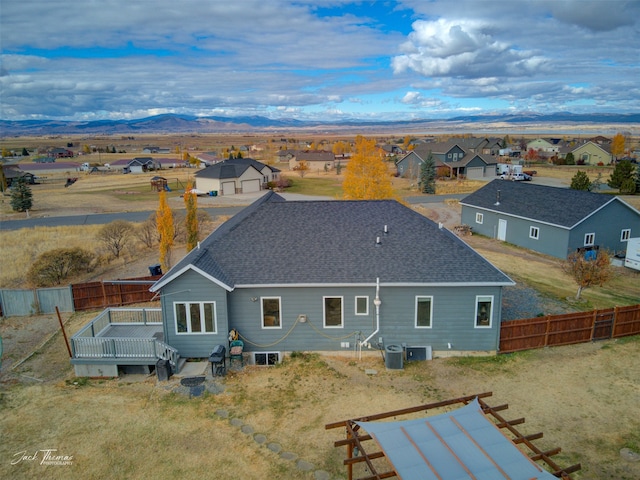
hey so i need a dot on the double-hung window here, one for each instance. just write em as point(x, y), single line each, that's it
point(424, 312)
point(534, 232)
point(362, 305)
point(195, 317)
point(479, 218)
point(625, 235)
point(484, 311)
point(589, 239)
point(271, 312)
point(333, 312)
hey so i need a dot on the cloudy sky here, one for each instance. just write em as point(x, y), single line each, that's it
point(317, 60)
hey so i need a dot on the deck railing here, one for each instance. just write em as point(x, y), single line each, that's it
point(87, 344)
point(120, 316)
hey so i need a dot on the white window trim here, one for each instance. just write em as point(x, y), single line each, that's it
point(415, 316)
point(324, 311)
point(534, 232)
point(625, 234)
point(279, 326)
point(586, 238)
point(356, 305)
point(483, 298)
point(202, 319)
point(479, 218)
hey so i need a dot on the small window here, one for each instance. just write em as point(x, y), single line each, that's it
point(195, 317)
point(534, 232)
point(424, 312)
point(362, 305)
point(333, 313)
point(479, 218)
point(266, 359)
point(484, 311)
point(589, 239)
point(625, 235)
point(271, 317)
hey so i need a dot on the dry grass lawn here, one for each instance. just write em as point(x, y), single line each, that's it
point(584, 399)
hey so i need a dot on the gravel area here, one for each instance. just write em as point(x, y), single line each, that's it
point(520, 301)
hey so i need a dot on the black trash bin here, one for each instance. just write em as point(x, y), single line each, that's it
point(218, 360)
point(155, 270)
point(163, 370)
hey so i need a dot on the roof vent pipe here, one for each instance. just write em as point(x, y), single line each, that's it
point(386, 229)
point(497, 198)
point(378, 242)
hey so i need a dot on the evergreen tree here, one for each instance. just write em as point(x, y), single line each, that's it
point(428, 175)
point(622, 172)
point(580, 181)
point(25, 153)
point(569, 160)
point(21, 196)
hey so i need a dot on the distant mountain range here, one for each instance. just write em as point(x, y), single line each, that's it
point(170, 123)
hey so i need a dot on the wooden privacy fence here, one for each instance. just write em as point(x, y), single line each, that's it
point(95, 295)
point(569, 328)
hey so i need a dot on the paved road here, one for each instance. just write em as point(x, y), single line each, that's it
point(104, 218)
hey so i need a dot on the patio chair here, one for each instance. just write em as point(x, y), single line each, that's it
point(235, 352)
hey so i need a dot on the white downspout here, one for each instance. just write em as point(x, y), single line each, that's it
point(377, 302)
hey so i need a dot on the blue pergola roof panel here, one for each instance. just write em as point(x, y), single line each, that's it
point(460, 444)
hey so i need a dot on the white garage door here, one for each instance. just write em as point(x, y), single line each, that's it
point(229, 188)
point(475, 172)
point(249, 186)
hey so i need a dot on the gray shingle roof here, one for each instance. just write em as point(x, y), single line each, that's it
point(232, 168)
point(557, 206)
point(275, 242)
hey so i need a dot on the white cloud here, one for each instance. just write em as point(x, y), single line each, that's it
point(463, 49)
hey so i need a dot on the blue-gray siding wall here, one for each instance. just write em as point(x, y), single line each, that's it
point(453, 318)
point(551, 240)
point(607, 224)
point(193, 287)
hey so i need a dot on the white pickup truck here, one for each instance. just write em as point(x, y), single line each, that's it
point(516, 177)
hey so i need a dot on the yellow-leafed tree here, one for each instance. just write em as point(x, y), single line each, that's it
point(618, 145)
point(164, 223)
point(191, 220)
point(366, 175)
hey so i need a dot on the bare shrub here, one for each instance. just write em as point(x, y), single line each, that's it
point(55, 266)
point(115, 236)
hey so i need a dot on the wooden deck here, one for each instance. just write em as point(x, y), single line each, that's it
point(123, 336)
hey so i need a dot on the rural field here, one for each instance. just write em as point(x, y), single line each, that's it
point(583, 397)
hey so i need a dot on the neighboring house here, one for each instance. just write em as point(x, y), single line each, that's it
point(542, 145)
point(305, 276)
point(61, 153)
point(316, 160)
point(460, 163)
point(140, 165)
point(592, 153)
point(391, 150)
point(13, 173)
point(236, 175)
point(550, 220)
point(207, 159)
point(155, 149)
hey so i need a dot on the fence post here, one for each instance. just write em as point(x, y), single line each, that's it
point(104, 295)
point(593, 323)
point(546, 331)
point(615, 320)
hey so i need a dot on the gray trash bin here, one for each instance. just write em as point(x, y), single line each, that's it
point(163, 370)
point(393, 357)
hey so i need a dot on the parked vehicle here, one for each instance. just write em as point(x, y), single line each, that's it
point(516, 177)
